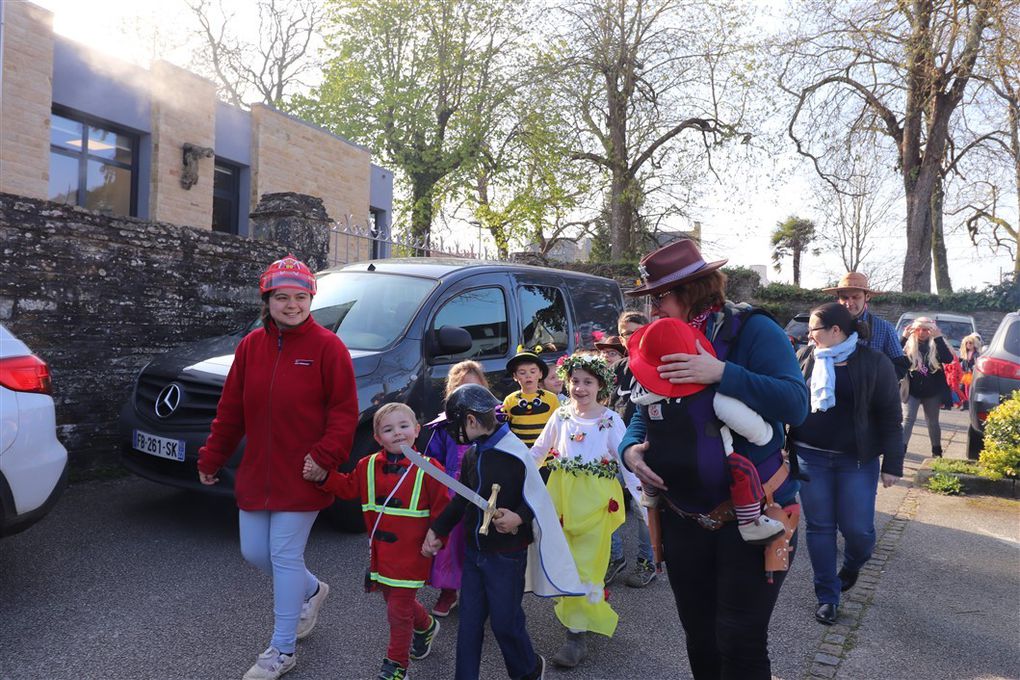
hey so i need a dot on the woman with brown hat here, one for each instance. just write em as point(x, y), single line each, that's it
point(723, 594)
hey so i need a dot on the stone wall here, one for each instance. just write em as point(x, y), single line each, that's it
point(26, 99)
point(96, 297)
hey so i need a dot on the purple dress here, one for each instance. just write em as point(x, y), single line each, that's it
point(448, 562)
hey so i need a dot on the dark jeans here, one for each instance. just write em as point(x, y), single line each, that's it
point(492, 586)
point(841, 494)
point(723, 597)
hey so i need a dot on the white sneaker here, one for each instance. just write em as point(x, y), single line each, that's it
point(762, 530)
point(270, 665)
point(310, 611)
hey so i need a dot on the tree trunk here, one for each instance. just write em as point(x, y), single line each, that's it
point(421, 211)
point(917, 261)
point(796, 266)
point(943, 284)
point(621, 217)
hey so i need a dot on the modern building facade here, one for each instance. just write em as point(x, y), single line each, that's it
point(80, 128)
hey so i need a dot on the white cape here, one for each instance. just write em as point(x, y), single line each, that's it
point(551, 570)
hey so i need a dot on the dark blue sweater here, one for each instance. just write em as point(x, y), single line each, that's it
point(761, 371)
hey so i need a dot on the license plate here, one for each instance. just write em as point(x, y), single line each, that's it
point(161, 447)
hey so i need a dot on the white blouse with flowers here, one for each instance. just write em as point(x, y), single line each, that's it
point(585, 445)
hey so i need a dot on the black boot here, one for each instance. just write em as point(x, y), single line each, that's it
point(936, 452)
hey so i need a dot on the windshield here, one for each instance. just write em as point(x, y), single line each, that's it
point(955, 331)
point(369, 310)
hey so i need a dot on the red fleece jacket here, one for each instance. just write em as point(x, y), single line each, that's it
point(291, 393)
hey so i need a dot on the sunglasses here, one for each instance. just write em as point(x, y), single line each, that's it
point(657, 299)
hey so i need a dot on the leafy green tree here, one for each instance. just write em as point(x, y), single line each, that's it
point(791, 239)
point(418, 82)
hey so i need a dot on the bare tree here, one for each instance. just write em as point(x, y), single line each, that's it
point(269, 65)
point(901, 67)
point(853, 218)
point(635, 74)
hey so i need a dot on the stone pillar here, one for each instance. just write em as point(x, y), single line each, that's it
point(26, 98)
point(297, 222)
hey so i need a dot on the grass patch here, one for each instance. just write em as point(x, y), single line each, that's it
point(945, 484)
point(950, 465)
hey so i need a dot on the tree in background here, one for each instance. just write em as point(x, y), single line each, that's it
point(267, 67)
point(984, 216)
point(791, 239)
point(902, 68)
point(633, 75)
point(852, 219)
point(419, 83)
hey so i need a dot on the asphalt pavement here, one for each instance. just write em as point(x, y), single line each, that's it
point(129, 579)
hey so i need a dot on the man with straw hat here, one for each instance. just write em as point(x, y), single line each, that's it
point(854, 294)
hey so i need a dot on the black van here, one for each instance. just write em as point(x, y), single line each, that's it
point(405, 322)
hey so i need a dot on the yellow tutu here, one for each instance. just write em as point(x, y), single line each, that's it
point(590, 509)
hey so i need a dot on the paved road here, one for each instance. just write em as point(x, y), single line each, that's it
point(129, 579)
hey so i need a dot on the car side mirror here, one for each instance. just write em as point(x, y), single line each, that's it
point(451, 340)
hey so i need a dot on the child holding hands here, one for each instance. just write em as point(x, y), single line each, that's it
point(397, 526)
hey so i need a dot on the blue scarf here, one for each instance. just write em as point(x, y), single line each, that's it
point(823, 375)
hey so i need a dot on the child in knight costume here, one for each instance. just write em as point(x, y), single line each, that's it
point(528, 541)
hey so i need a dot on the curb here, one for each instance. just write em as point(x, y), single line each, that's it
point(972, 484)
point(839, 639)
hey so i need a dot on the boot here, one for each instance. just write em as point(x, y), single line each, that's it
point(572, 651)
point(936, 452)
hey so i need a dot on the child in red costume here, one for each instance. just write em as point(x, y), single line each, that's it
point(397, 528)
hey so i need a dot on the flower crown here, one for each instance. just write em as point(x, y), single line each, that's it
point(590, 363)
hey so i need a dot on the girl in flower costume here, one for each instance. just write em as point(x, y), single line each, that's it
point(579, 444)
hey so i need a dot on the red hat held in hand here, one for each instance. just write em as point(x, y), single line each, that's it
point(652, 342)
point(288, 272)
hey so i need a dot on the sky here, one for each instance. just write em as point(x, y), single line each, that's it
point(737, 216)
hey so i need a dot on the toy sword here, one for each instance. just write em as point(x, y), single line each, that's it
point(488, 507)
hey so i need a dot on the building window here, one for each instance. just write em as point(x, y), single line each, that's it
point(92, 165)
point(226, 196)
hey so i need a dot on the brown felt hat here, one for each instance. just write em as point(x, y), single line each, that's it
point(612, 342)
point(854, 280)
point(671, 266)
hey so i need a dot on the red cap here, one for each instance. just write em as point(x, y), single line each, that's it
point(661, 337)
point(288, 272)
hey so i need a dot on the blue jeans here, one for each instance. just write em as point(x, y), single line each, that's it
point(841, 494)
point(275, 543)
point(644, 541)
point(492, 586)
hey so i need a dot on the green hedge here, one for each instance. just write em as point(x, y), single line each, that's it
point(1003, 297)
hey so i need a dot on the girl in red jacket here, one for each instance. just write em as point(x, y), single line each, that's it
point(399, 502)
point(291, 391)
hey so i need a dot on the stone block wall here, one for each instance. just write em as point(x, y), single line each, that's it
point(183, 111)
point(290, 155)
point(96, 297)
point(26, 99)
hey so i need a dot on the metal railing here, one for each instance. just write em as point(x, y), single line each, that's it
point(352, 242)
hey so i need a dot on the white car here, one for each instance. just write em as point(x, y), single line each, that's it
point(33, 463)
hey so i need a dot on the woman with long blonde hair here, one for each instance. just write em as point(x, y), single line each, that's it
point(927, 353)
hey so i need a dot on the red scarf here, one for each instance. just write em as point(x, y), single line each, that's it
point(698, 323)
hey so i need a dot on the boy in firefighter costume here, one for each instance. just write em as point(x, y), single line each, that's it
point(396, 526)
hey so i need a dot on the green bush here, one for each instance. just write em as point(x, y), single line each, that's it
point(954, 465)
point(1001, 455)
point(945, 484)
